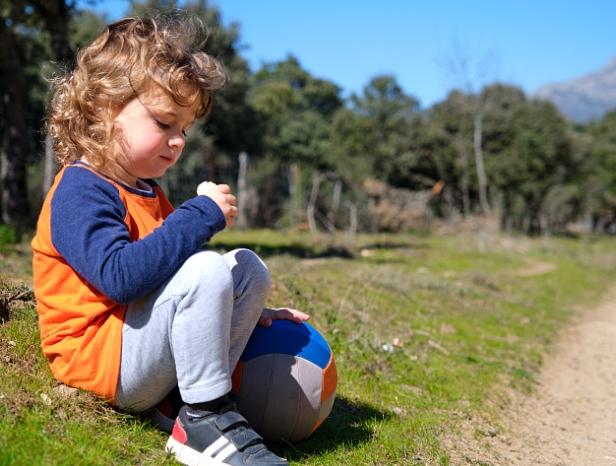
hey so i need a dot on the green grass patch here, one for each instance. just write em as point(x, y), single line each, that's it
point(424, 331)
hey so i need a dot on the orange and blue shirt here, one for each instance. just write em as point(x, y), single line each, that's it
point(99, 245)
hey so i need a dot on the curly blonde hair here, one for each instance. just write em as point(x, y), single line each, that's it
point(128, 57)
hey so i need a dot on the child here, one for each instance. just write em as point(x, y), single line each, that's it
point(129, 305)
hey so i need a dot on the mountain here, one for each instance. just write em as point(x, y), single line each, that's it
point(584, 99)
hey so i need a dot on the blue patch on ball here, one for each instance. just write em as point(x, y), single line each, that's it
point(287, 337)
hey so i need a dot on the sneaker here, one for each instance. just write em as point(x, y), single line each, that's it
point(220, 438)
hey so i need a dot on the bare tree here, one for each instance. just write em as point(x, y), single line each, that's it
point(471, 75)
point(311, 209)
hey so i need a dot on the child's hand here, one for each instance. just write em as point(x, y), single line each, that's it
point(221, 195)
point(270, 314)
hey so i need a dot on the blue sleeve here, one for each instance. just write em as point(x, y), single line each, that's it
point(88, 230)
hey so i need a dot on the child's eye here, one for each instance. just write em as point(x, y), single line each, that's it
point(162, 125)
point(184, 132)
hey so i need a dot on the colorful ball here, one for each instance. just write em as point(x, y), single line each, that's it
point(285, 381)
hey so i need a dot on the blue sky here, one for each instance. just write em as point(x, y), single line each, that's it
point(423, 43)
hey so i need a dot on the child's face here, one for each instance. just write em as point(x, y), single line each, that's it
point(151, 138)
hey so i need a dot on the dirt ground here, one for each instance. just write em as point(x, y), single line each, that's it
point(571, 417)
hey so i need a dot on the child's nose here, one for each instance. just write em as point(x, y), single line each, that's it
point(177, 141)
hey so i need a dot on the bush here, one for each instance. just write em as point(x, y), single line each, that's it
point(7, 236)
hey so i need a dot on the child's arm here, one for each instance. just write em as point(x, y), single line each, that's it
point(88, 229)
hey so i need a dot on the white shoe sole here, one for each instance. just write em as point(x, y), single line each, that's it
point(190, 457)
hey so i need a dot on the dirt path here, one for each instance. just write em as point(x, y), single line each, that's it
point(571, 418)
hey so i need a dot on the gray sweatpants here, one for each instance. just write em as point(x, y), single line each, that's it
point(192, 330)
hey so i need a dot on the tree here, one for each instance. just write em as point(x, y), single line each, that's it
point(471, 74)
point(30, 31)
point(15, 147)
point(374, 135)
point(538, 158)
point(387, 111)
point(600, 169)
point(452, 117)
point(296, 110)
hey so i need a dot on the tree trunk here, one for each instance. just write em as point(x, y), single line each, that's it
point(460, 144)
point(481, 173)
point(294, 195)
point(450, 209)
point(505, 217)
point(312, 202)
point(466, 198)
point(242, 191)
point(336, 196)
point(352, 219)
point(15, 144)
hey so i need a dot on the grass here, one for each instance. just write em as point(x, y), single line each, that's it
point(425, 331)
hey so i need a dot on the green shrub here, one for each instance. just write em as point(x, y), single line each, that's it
point(8, 236)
